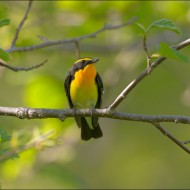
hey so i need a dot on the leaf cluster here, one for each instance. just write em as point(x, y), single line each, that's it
point(164, 49)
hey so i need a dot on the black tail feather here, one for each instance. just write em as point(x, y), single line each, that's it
point(86, 132)
point(97, 132)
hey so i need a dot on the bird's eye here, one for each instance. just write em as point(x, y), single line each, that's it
point(83, 61)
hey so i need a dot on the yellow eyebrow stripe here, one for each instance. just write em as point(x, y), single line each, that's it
point(86, 59)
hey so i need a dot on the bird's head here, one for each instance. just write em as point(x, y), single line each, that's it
point(82, 62)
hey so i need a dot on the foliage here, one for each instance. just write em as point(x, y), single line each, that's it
point(4, 21)
point(164, 49)
point(162, 23)
point(170, 52)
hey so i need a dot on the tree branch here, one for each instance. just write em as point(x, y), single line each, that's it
point(144, 74)
point(21, 24)
point(148, 57)
point(62, 114)
point(77, 50)
point(42, 113)
point(49, 43)
point(22, 68)
point(175, 140)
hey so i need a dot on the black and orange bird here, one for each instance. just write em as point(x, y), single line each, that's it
point(84, 89)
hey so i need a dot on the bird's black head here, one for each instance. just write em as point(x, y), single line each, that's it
point(82, 62)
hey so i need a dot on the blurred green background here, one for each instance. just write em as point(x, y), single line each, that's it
point(130, 154)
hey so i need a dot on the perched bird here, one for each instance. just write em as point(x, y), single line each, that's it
point(84, 89)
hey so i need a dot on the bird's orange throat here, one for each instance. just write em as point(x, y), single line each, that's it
point(83, 89)
point(86, 76)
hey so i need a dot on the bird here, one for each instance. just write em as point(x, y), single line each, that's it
point(84, 90)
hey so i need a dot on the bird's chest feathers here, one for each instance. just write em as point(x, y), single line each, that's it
point(85, 77)
point(83, 89)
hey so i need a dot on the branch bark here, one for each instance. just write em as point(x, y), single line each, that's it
point(62, 114)
point(3, 64)
point(21, 24)
point(175, 140)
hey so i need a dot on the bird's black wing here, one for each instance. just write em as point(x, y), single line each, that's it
point(81, 122)
point(67, 84)
point(100, 90)
point(97, 131)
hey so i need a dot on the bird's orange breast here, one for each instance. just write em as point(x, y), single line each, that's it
point(83, 88)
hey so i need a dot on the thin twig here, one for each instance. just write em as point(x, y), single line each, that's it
point(170, 136)
point(186, 142)
point(43, 38)
point(71, 40)
point(144, 74)
point(77, 50)
point(16, 69)
point(21, 24)
point(148, 58)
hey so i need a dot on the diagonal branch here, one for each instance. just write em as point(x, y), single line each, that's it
point(144, 74)
point(49, 43)
point(175, 140)
point(21, 24)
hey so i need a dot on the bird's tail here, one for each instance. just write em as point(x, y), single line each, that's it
point(86, 132)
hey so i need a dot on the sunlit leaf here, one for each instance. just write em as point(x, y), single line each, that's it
point(141, 27)
point(4, 21)
point(167, 51)
point(4, 55)
point(164, 24)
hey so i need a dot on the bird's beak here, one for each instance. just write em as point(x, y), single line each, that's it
point(95, 60)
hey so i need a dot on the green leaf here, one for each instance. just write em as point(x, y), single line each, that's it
point(4, 136)
point(4, 55)
point(141, 27)
point(167, 51)
point(4, 21)
point(164, 24)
